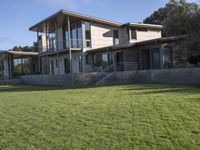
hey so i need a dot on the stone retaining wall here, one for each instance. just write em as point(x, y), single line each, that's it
point(171, 76)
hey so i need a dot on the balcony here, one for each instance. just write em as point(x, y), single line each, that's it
point(76, 44)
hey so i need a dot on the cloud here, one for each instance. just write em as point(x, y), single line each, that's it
point(70, 4)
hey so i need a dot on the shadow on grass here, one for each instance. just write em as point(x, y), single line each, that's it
point(164, 88)
point(136, 88)
point(35, 88)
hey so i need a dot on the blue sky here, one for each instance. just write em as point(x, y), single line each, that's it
point(18, 15)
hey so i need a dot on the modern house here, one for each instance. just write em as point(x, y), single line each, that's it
point(70, 42)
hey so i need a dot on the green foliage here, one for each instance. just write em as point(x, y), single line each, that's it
point(32, 48)
point(181, 18)
point(116, 117)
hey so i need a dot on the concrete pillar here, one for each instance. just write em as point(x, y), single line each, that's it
point(70, 51)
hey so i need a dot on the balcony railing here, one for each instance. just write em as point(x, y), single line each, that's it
point(60, 46)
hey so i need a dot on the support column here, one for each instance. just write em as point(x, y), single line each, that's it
point(70, 52)
point(58, 63)
point(46, 37)
point(1, 66)
point(161, 57)
point(83, 45)
point(114, 61)
point(48, 69)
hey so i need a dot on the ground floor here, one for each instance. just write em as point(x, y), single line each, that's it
point(160, 55)
point(14, 64)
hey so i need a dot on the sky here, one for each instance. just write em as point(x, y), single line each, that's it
point(18, 15)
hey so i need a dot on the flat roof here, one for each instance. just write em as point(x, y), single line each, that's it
point(21, 53)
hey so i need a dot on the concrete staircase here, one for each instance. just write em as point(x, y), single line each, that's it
point(103, 79)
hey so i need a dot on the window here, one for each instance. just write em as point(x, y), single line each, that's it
point(67, 65)
point(52, 41)
point(115, 37)
point(52, 67)
point(87, 34)
point(80, 63)
point(88, 59)
point(155, 58)
point(151, 58)
point(75, 35)
point(146, 59)
point(66, 35)
point(133, 34)
point(128, 34)
point(168, 57)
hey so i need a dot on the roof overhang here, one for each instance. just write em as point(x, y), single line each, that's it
point(138, 44)
point(75, 15)
point(142, 25)
point(20, 53)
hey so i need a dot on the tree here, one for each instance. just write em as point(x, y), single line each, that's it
point(32, 48)
point(181, 18)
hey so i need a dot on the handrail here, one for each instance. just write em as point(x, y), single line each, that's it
point(61, 45)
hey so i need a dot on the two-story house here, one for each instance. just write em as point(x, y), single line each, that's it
point(70, 42)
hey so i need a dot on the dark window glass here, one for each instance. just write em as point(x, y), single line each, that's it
point(52, 41)
point(67, 65)
point(146, 59)
point(155, 58)
point(133, 34)
point(88, 59)
point(87, 34)
point(116, 37)
point(80, 63)
point(52, 67)
point(168, 57)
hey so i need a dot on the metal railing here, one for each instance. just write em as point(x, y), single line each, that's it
point(115, 67)
point(60, 46)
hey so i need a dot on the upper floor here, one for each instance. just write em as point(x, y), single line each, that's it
point(68, 30)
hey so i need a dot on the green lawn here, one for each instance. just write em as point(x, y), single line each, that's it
point(142, 116)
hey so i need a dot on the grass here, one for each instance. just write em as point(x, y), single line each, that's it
point(143, 116)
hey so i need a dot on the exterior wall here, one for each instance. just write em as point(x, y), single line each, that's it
point(60, 68)
point(101, 35)
point(170, 76)
point(149, 35)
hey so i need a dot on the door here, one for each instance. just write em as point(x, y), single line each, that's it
point(146, 64)
point(52, 67)
point(119, 61)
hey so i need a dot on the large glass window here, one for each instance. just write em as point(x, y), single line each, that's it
point(67, 65)
point(115, 37)
point(146, 59)
point(133, 34)
point(87, 34)
point(75, 34)
point(151, 58)
point(52, 41)
point(168, 57)
point(66, 38)
point(21, 66)
point(155, 58)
